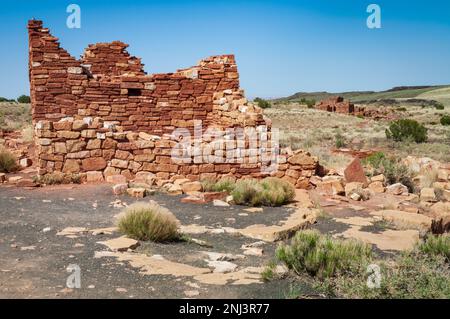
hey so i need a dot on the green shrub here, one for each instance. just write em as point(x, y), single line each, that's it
point(24, 99)
point(439, 106)
point(270, 191)
point(8, 162)
point(436, 246)
point(149, 221)
point(225, 184)
point(339, 140)
point(321, 256)
point(309, 103)
point(3, 99)
point(445, 120)
point(340, 268)
point(269, 271)
point(264, 104)
point(409, 276)
point(405, 129)
point(393, 170)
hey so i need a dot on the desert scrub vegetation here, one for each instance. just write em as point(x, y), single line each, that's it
point(57, 178)
point(423, 272)
point(339, 268)
point(264, 104)
point(149, 221)
point(14, 116)
point(439, 106)
point(436, 245)
point(24, 99)
point(404, 129)
point(224, 184)
point(270, 191)
point(445, 120)
point(308, 102)
point(8, 162)
point(340, 140)
point(323, 257)
point(393, 170)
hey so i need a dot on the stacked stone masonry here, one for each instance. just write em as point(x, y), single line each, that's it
point(103, 115)
point(337, 104)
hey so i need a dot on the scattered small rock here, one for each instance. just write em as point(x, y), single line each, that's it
point(121, 290)
point(46, 229)
point(136, 192)
point(220, 203)
point(397, 189)
point(191, 293)
point(222, 266)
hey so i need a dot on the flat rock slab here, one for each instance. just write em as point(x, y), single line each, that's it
point(120, 244)
point(72, 231)
point(405, 220)
point(399, 240)
point(155, 265)
point(300, 219)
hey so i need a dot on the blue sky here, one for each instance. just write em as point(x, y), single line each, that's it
point(281, 47)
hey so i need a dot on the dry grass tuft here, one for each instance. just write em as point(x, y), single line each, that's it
point(270, 191)
point(8, 162)
point(149, 221)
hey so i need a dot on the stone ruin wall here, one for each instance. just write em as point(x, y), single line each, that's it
point(103, 115)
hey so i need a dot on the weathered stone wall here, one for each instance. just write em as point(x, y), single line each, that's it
point(88, 145)
point(104, 116)
point(336, 104)
point(108, 83)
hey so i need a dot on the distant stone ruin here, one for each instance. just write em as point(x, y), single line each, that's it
point(336, 104)
point(102, 115)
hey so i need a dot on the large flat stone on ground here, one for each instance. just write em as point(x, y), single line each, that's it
point(120, 244)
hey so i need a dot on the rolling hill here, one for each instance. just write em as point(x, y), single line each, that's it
point(440, 93)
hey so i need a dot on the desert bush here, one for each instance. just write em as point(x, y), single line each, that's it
point(445, 120)
point(208, 184)
point(24, 99)
point(8, 162)
point(270, 191)
point(339, 140)
point(225, 184)
point(269, 271)
point(264, 104)
point(321, 256)
point(247, 192)
point(309, 103)
point(422, 272)
point(339, 268)
point(410, 276)
point(435, 245)
point(4, 99)
point(439, 106)
point(149, 221)
point(393, 170)
point(404, 129)
point(57, 178)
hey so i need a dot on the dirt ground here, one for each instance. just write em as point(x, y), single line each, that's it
point(34, 259)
